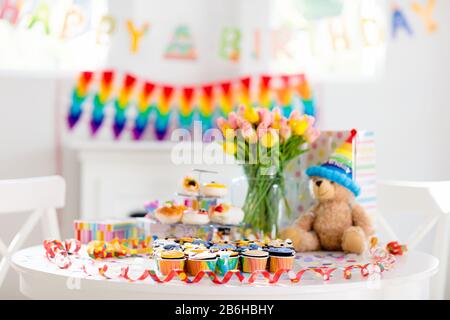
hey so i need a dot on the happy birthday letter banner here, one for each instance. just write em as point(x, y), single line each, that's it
point(139, 105)
point(78, 33)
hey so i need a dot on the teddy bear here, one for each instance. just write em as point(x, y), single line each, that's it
point(336, 222)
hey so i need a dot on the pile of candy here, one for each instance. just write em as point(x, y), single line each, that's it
point(118, 248)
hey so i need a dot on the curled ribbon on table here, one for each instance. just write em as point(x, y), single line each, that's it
point(324, 273)
point(58, 252)
point(382, 260)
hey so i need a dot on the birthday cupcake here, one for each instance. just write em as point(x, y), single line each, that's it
point(196, 217)
point(169, 213)
point(242, 243)
point(201, 261)
point(226, 260)
point(222, 245)
point(201, 242)
point(227, 214)
point(159, 244)
point(214, 189)
point(185, 240)
point(281, 258)
point(278, 243)
point(190, 186)
point(193, 251)
point(254, 260)
point(170, 260)
point(190, 248)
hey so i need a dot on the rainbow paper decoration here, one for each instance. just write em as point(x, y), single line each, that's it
point(206, 107)
point(100, 100)
point(121, 104)
point(79, 95)
point(163, 113)
point(105, 230)
point(186, 108)
point(285, 94)
point(305, 93)
point(245, 91)
point(154, 105)
point(144, 109)
point(226, 101)
point(264, 97)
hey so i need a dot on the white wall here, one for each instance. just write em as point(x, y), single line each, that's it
point(407, 108)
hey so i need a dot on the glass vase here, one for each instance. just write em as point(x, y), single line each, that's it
point(267, 201)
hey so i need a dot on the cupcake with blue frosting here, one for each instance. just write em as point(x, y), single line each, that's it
point(281, 258)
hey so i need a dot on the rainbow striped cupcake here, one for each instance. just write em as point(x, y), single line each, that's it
point(202, 261)
point(227, 260)
point(254, 260)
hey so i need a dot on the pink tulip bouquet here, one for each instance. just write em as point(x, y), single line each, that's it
point(264, 142)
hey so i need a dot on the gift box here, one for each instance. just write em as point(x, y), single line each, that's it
point(105, 230)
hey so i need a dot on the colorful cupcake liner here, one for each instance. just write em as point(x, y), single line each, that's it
point(251, 264)
point(226, 264)
point(167, 265)
point(280, 263)
point(193, 267)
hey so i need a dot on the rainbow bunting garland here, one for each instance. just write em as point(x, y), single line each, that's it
point(144, 108)
point(206, 107)
point(121, 104)
point(245, 84)
point(166, 107)
point(100, 100)
point(285, 97)
point(163, 112)
point(264, 96)
point(305, 93)
point(186, 108)
point(226, 98)
point(79, 95)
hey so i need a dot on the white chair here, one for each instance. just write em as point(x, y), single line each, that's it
point(402, 201)
point(41, 197)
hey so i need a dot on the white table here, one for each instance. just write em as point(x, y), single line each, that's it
point(41, 279)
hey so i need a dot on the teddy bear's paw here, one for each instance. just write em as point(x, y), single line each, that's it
point(301, 239)
point(354, 240)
